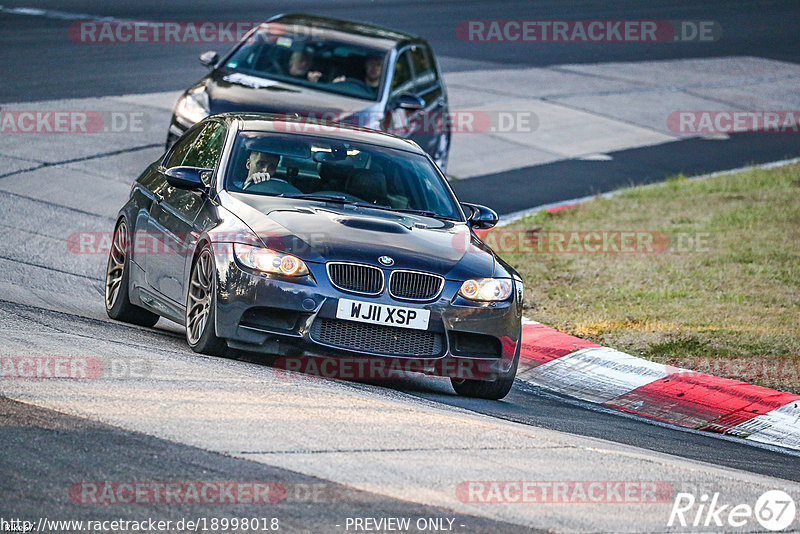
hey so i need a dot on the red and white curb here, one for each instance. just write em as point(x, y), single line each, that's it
point(578, 368)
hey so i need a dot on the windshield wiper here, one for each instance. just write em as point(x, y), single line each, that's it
point(343, 200)
point(323, 198)
point(424, 213)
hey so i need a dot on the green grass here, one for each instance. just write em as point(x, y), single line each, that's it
point(734, 296)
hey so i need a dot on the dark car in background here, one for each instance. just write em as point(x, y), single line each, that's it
point(326, 69)
point(261, 234)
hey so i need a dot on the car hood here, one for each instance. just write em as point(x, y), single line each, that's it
point(231, 92)
point(321, 232)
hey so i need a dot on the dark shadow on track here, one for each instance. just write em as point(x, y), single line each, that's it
point(568, 179)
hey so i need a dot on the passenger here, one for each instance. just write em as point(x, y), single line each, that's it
point(300, 66)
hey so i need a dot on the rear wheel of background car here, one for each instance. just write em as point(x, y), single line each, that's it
point(201, 304)
point(483, 389)
point(118, 303)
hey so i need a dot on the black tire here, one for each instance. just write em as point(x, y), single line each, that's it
point(201, 306)
point(443, 152)
point(117, 298)
point(484, 389)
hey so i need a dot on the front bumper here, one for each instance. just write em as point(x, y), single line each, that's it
point(297, 318)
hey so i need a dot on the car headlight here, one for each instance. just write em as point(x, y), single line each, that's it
point(193, 106)
point(487, 289)
point(269, 261)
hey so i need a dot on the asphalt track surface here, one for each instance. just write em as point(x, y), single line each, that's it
point(45, 451)
point(55, 68)
point(575, 178)
point(40, 64)
point(102, 452)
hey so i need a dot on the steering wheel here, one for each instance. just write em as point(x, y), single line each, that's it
point(357, 82)
point(272, 186)
point(277, 66)
point(263, 182)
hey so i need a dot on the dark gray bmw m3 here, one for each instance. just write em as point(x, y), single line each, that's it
point(304, 238)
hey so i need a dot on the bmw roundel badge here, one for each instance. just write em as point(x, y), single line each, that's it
point(386, 260)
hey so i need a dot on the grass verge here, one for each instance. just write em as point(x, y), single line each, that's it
point(717, 290)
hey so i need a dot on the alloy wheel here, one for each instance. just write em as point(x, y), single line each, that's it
point(201, 286)
point(116, 264)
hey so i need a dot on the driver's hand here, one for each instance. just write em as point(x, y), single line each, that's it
point(256, 178)
point(340, 78)
point(314, 76)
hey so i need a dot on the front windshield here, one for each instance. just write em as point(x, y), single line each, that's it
point(299, 58)
point(278, 164)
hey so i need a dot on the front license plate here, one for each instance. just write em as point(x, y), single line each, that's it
point(368, 312)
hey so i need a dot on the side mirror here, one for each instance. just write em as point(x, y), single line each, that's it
point(209, 59)
point(190, 178)
point(480, 217)
point(409, 102)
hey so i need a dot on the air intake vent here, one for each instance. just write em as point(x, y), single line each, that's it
point(377, 339)
point(412, 285)
point(357, 278)
point(475, 345)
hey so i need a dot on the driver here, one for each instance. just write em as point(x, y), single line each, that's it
point(261, 166)
point(373, 66)
point(372, 72)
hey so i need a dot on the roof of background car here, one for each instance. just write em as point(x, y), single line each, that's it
point(268, 122)
point(383, 37)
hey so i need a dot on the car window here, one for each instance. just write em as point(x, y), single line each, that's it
point(402, 80)
point(176, 156)
point(334, 63)
point(360, 173)
point(206, 149)
point(424, 73)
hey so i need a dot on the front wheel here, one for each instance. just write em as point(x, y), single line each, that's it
point(482, 389)
point(118, 302)
point(201, 303)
